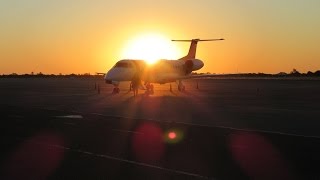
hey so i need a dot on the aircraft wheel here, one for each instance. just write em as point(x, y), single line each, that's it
point(151, 88)
point(181, 88)
point(116, 90)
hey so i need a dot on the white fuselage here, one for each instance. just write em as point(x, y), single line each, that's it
point(163, 71)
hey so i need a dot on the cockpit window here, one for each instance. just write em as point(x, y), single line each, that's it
point(123, 65)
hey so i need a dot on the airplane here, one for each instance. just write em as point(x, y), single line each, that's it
point(163, 71)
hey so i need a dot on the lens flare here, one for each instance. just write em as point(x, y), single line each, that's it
point(148, 147)
point(258, 157)
point(36, 157)
point(172, 135)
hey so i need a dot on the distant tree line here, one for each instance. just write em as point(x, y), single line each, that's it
point(41, 75)
point(293, 73)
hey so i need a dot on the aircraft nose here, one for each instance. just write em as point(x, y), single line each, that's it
point(110, 75)
point(119, 74)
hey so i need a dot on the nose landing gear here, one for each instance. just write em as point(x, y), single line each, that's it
point(116, 90)
point(181, 87)
point(149, 88)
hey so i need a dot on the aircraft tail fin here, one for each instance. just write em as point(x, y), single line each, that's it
point(193, 47)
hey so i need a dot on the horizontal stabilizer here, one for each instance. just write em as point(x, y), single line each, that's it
point(190, 40)
point(193, 47)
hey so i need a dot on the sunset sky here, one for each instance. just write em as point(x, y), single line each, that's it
point(88, 36)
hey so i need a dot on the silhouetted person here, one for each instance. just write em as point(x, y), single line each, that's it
point(136, 82)
point(151, 89)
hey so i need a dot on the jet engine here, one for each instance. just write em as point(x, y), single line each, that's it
point(192, 65)
point(188, 65)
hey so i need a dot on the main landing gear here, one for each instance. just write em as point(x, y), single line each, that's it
point(181, 87)
point(116, 89)
point(149, 88)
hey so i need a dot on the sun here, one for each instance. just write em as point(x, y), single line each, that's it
point(150, 47)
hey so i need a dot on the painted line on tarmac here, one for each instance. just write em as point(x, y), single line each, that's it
point(253, 130)
point(270, 132)
point(124, 117)
point(122, 160)
point(70, 117)
point(114, 116)
point(125, 131)
point(201, 125)
point(61, 95)
point(98, 114)
point(222, 127)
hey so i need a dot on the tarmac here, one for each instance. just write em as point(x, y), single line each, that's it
point(75, 128)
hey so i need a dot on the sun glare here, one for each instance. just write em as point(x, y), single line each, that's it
point(150, 47)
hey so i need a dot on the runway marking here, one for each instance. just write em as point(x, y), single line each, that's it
point(124, 117)
point(98, 114)
point(122, 160)
point(254, 130)
point(201, 125)
point(62, 95)
point(59, 110)
point(222, 127)
point(125, 131)
point(70, 116)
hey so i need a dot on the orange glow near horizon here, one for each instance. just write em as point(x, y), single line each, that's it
point(79, 37)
